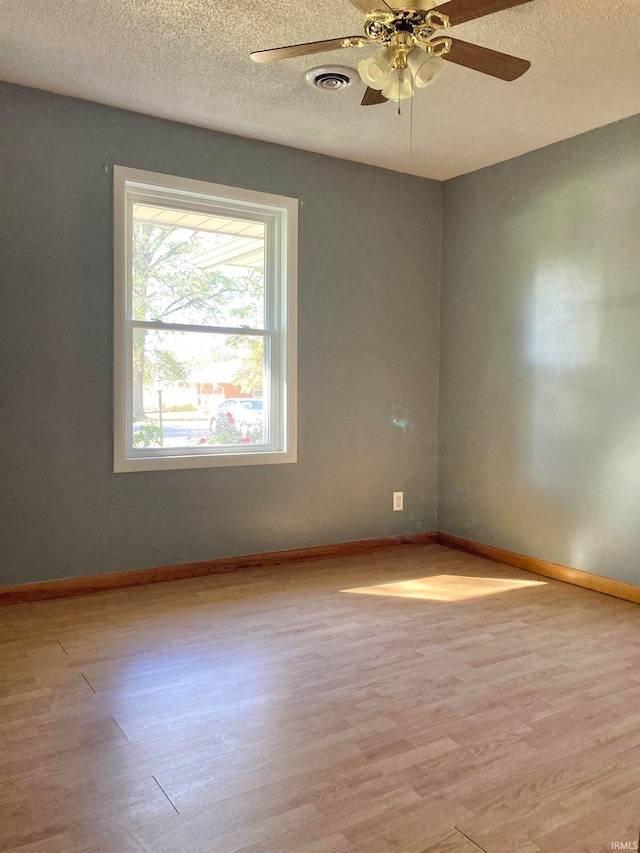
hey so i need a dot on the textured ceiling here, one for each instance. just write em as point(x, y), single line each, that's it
point(188, 60)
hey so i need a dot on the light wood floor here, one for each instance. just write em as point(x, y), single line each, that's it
point(412, 700)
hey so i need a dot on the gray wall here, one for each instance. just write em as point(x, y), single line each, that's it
point(540, 354)
point(368, 341)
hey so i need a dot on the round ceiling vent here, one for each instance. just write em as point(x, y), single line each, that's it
point(330, 77)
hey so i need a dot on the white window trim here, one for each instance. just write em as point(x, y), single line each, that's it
point(283, 213)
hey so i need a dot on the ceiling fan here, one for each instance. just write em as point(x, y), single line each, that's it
point(412, 51)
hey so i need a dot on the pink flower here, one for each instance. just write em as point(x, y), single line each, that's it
point(230, 418)
point(245, 440)
point(202, 440)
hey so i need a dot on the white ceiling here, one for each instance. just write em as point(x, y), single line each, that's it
point(188, 60)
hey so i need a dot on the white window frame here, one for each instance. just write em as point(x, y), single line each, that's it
point(280, 216)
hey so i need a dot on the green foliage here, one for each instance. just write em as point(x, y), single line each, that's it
point(167, 281)
point(187, 407)
point(160, 363)
point(148, 435)
point(233, 432)
point(170, 287)
point(249, 350)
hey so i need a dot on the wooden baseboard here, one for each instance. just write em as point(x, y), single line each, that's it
point(66, 587)
point(598, 583)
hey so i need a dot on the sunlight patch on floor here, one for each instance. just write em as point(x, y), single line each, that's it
point(446, 587)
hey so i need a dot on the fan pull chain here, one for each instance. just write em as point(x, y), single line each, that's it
point(411, 128)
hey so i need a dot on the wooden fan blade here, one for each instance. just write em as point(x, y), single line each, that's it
point(460, 11)
point(371, 97)
point(368, 6)
point(486, 61)
point(300, 49)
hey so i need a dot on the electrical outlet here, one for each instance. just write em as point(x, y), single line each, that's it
point(398, 501)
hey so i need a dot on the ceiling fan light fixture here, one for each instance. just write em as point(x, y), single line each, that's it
point(412, 49)
point(399, 85)
point(374, 71)
point(424, 66)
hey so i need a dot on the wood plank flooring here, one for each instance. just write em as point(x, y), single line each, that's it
point(411, 700)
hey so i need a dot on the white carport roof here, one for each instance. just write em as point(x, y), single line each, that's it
point(246, 249)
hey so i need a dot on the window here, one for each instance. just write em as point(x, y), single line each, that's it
point(205, 324)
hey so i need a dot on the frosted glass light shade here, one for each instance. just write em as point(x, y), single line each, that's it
point(399, 86)
point(374, 71)
point(424, 66)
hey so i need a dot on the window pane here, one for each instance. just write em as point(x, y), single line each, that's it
point(194, 268)
point(193, 389)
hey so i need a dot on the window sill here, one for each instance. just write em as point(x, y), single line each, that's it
point(227, 460)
